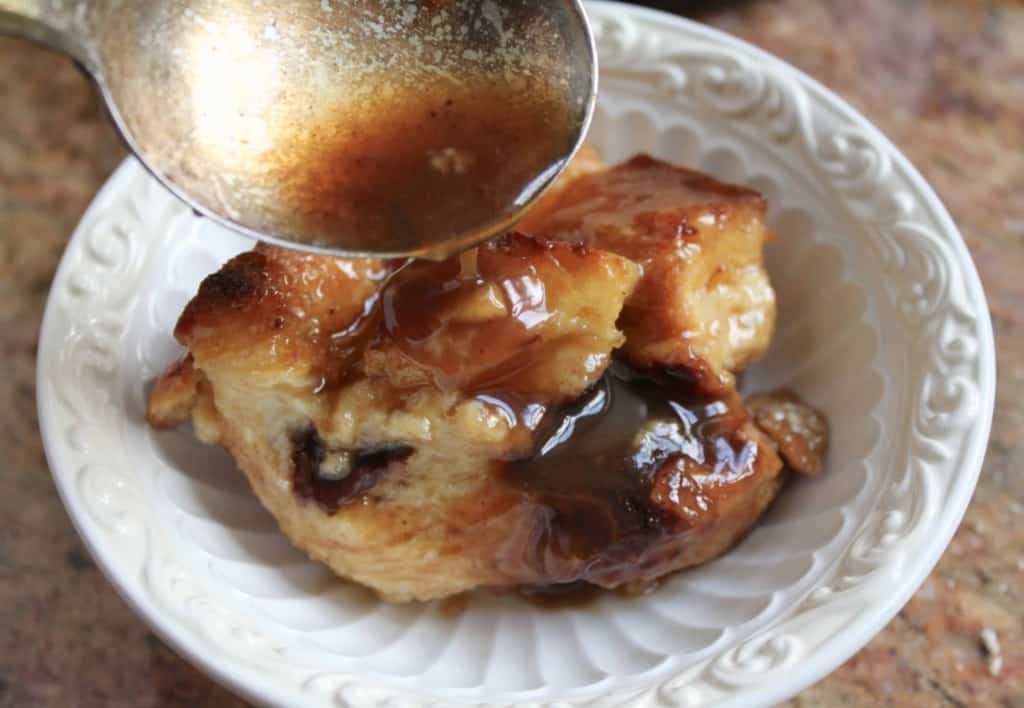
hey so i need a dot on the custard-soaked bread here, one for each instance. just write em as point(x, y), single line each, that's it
point(282, 315)
point(429, 428)
point(704, 294)
point(520, 317)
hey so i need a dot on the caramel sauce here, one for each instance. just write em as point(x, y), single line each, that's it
point(426, 162)
point(488, 306)
point(563, 596)
point(592, 471)
point(454, 606)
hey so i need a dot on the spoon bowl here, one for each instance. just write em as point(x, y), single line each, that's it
point(355, 127)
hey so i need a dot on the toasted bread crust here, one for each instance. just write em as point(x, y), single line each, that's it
point(704, 294)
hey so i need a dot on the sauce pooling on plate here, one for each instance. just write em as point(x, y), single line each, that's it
point(625, 464)
point(426, 162)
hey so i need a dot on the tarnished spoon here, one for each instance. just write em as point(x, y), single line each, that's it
point(357, 127)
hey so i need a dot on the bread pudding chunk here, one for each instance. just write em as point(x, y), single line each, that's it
point(283, 316)
point(799, 431)
point(704, 295)
point(547, 409)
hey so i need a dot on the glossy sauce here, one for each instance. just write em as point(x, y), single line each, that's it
point(469, 322)
point(425, 162)
point(575, 595)
point(595, 464)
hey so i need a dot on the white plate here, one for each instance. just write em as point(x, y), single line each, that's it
point(883, 323)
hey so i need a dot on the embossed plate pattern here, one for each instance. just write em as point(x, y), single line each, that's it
point(883, 323)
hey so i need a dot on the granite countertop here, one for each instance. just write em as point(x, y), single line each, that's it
point(943, 78)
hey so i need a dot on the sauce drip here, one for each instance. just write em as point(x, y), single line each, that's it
point(425, 162)
point(595, 463)
point(468, 323)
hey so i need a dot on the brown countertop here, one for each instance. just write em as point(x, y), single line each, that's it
point(943, 78)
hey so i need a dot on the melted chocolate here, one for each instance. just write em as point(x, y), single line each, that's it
point(595, 463)
point(309, 480)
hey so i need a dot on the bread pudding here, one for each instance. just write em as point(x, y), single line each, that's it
point(557, 406)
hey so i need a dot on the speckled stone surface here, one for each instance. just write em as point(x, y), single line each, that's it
point(943, 78)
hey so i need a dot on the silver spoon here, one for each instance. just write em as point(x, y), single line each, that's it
point(355, 127)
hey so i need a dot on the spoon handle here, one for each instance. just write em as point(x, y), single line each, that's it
point(57, 24)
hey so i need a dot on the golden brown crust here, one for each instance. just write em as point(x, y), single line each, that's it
point(174, 395)
point(704, 294)
point(272, 310)
point(798, 430)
